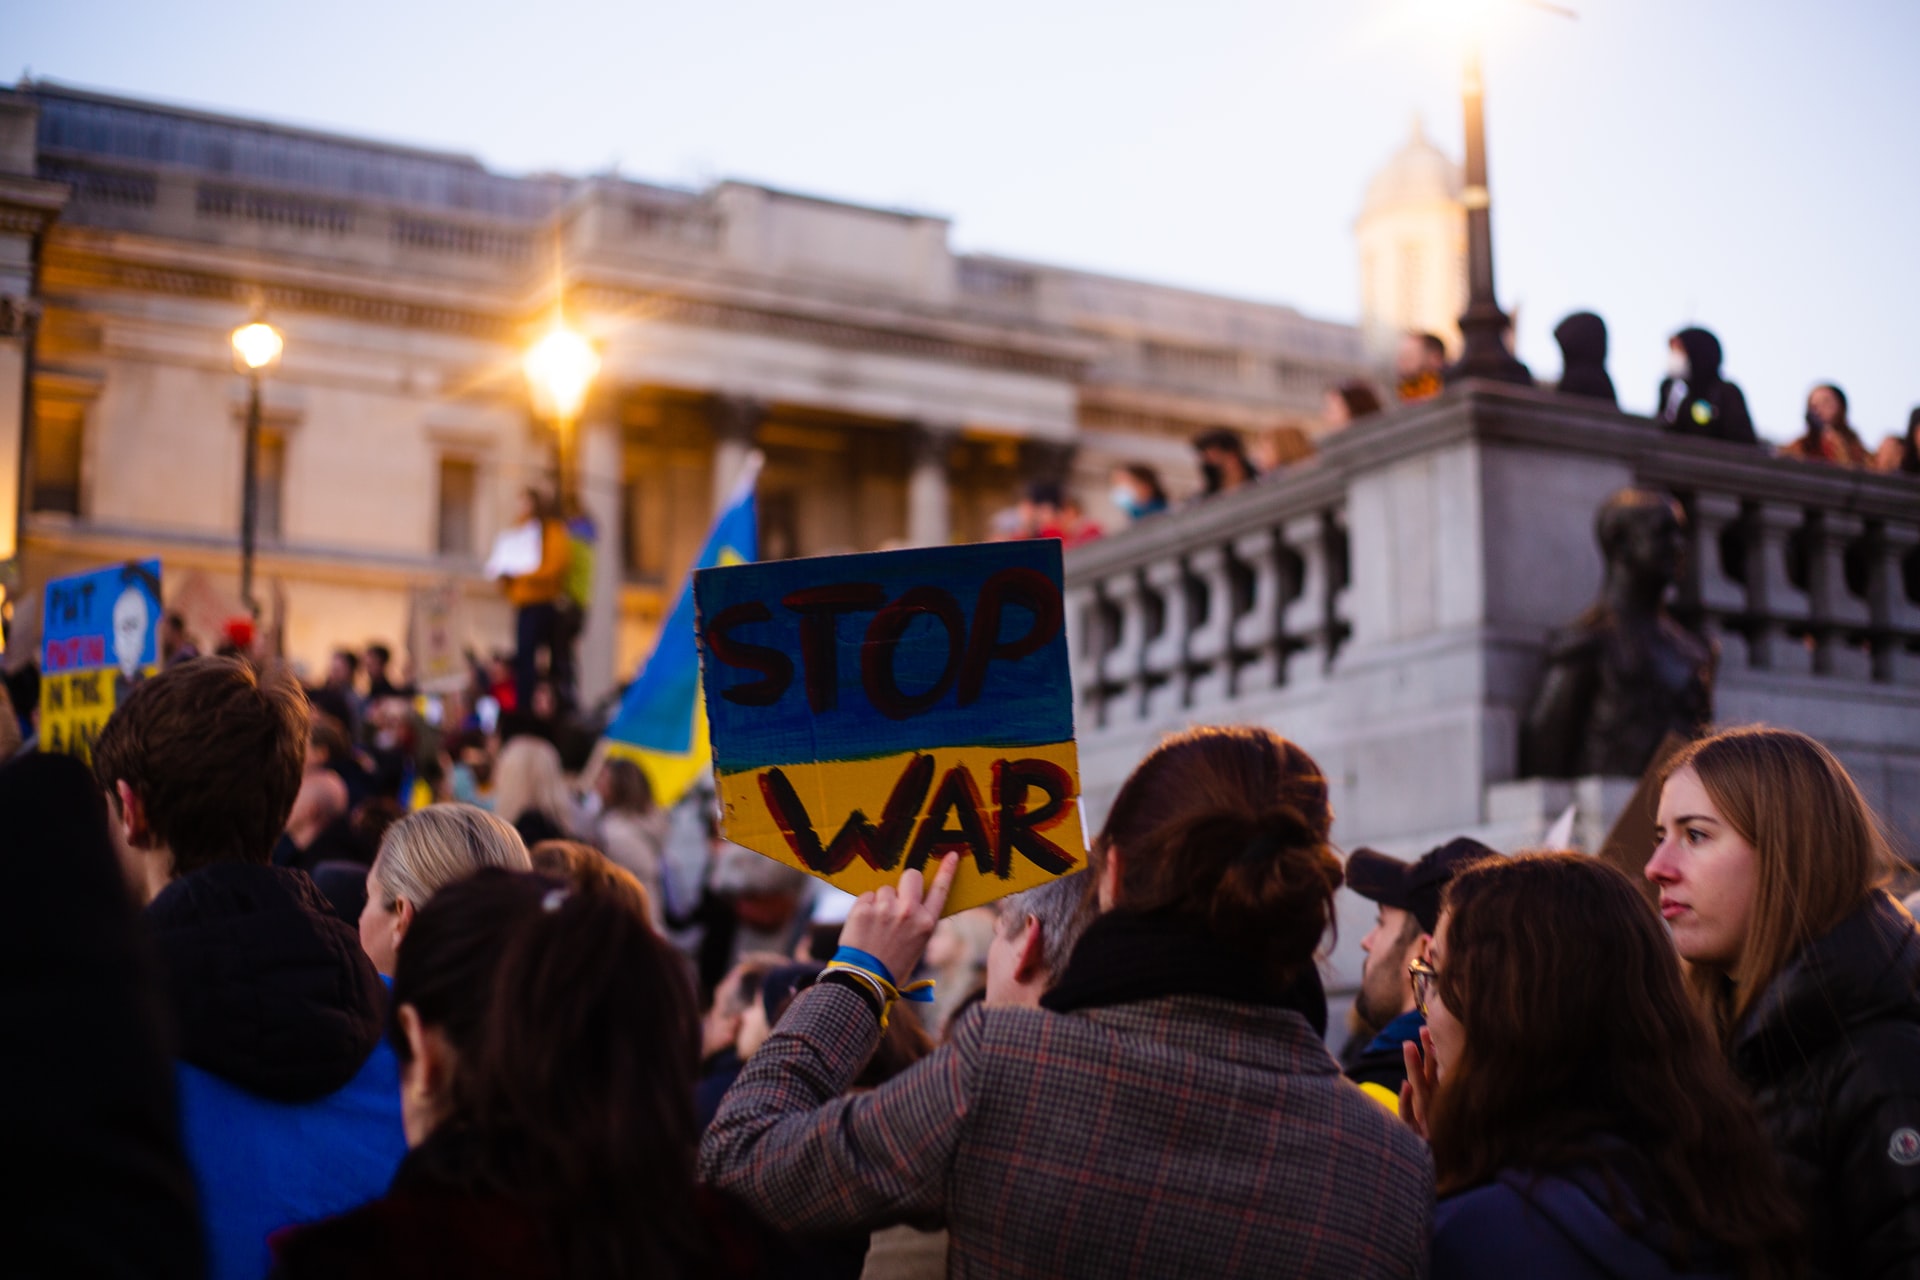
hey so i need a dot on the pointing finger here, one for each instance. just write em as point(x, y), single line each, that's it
point(943, 883)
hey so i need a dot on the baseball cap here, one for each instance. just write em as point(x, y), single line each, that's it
point(1414, 886)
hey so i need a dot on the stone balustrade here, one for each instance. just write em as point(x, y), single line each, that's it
point(1387, 605)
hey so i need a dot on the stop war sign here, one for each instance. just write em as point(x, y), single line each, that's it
point(870, 713)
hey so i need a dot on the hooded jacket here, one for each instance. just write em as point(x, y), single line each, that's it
point(1832, 1051)
point(289, 1096)
point(1583, 354)
point(1703, 403)
point(90, 1128)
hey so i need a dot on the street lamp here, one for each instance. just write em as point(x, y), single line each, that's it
point(1483, 327)
point(560, 367)
point(256, 347)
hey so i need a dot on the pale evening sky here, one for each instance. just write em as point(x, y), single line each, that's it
point(1750, 165)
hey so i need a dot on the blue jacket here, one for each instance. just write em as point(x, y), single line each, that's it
point(261, 1165)
point(1527, 1224)
point(289, 1094)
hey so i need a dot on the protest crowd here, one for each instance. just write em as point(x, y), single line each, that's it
point(347, 979)
point(542, 1031)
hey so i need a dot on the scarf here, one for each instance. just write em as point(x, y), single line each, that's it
point(1124, 957)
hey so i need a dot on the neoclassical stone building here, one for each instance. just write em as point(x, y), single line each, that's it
point(900, 392)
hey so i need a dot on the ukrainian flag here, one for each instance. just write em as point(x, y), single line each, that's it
point(662, 721)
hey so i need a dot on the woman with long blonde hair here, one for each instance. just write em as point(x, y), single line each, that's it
point(1770, 867)
point(530, 791)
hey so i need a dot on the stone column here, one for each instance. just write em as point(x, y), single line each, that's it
point(27, 207)
point(598, 484)
point(733, 420)
point(929, 497)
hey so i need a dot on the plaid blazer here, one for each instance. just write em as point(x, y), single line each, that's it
point(1179, 1136)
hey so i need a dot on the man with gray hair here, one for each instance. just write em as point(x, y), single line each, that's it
point(1035, 933)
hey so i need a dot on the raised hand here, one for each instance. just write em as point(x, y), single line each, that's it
point(1423, 1078)
point(893, 923)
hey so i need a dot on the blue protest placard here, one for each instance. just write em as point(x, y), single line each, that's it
point(100, 637)
point(869, 713)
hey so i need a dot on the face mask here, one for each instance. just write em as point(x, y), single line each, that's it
point(1677, 363)
point(1123, 498)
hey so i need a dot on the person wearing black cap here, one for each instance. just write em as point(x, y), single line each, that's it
point(1408, 895)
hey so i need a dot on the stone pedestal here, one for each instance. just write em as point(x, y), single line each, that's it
point(1520, 813)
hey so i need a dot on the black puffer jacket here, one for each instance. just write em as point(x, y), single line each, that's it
point(1832, 1051)
point(267, 987)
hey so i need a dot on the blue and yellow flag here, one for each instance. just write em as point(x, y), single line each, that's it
point(662, 721)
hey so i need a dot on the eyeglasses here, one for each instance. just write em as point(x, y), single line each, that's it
point(1424, 976)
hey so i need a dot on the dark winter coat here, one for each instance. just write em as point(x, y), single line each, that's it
point(434, 1221)
point(100, 1184)
point(1134, 1130)
point(1526, 1224)
point(1583, 354)
point(289, 1094)
point(1709, 405)
point(1832, 1051)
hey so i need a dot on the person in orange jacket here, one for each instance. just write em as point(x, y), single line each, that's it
point(536, 596)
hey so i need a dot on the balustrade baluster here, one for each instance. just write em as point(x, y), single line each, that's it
point(1165, 660)
point(1781, 608)
point(1258, 638)
point(1209, 648)
point(1120, 669)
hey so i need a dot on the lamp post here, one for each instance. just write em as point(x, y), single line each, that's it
point(1483, 326)
point(256, 348)
point(560, 367)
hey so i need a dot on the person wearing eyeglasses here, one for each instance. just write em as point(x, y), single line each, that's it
point(1582, 1120)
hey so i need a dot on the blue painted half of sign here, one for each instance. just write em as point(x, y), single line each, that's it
point(855, 657)
point(104, 618)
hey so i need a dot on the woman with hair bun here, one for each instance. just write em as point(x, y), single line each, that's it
point(1770, 866)
point(1166, 1112)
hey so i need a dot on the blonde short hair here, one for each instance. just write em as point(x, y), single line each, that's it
point(434, 846)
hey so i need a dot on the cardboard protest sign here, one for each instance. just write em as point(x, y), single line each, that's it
point(100, 637)
point(871, 713)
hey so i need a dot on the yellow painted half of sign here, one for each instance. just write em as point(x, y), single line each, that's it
point(75, 707)
point(830, 791)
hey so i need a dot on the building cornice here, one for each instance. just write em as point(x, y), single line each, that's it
point(78, 260)
point(813, 327)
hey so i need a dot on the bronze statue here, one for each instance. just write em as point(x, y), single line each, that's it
point(1626, 673)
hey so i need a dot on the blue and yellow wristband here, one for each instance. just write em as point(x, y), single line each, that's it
point(873, 974)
